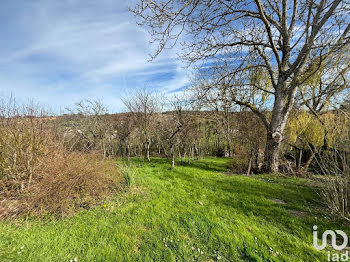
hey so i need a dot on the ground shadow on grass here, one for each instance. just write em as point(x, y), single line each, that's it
point(250, 195)
point(201, 192)
point(247, 196)
point(212, 164)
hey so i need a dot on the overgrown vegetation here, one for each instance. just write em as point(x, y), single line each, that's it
point(71, 181)
point(39, 175)
point(49, 164)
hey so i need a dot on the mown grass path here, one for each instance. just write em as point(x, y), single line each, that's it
point(191, 213)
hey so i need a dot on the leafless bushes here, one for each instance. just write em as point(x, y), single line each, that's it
point(23, 139)
point(88, 128)
point(144, 106)
point(336, 194)
point(70, 181)
point(38, 174)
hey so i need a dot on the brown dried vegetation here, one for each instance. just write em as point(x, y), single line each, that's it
point(39, 176)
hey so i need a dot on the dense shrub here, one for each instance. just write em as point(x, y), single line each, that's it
point(70, 181)
point(336, 193)
point(22, 144)
point(335, 165)
point(64, 182)
point(238, 164)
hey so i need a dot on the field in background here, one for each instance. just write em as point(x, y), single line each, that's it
point(192, 213)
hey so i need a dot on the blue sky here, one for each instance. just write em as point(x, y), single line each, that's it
point(59, 52)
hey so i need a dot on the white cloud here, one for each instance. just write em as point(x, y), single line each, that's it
point(68, 50)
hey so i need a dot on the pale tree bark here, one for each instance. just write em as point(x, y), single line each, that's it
point(276, 128)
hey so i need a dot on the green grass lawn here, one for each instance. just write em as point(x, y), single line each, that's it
point(191, 213)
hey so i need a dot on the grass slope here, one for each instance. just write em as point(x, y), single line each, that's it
point(192, 213)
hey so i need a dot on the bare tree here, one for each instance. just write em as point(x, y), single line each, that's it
point(221, 109)
point(173, 127)
point(177, 128)
point(89, 129)
point(285, 40)
point(144, 107)
point(123, 126)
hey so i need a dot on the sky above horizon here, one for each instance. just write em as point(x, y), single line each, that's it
point(60, 52)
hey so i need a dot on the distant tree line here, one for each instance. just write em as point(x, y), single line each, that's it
point(188, 131)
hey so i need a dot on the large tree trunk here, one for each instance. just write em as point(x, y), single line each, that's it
point(271, 155)
point(282, 106)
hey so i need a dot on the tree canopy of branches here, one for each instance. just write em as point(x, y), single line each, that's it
point(261, 50)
